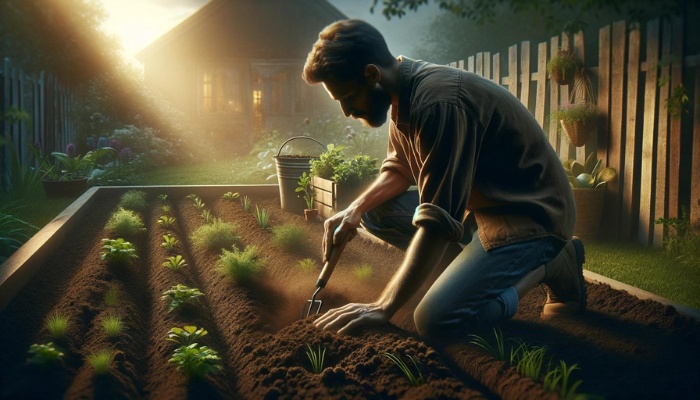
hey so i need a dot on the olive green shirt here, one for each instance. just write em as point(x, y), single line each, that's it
point(470, 146)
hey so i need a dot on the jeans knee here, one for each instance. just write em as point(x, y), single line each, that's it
point(428, 322)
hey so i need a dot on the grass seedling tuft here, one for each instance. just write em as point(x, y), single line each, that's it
point(557, 380)
point(238, 265)
point(125, 223)
point(169, 242)
point(163, 197)
point(497, 349)
point(198, 204)
point(166, 221)
point(413, 379)
point(175, 263)
point(118, 251)
point(316, 357)
point(179, 295)
point(186, 335)
point(245, 203)
point(363, 271)
point(528, 361)
point(196, 361)
point(207, 217)
point(133, 200)
point(262, 216)
point(111, 296)
point(100, 361)
point(215, 236)
point(289, 237)
point(231, 196)
point(165, 208)
point(44, 354)
point(57, 325)
point(112, 325)
point(306, 264)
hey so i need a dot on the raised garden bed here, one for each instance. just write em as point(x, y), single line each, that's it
point(625, 347)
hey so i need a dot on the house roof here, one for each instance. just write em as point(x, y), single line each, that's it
point(248, 29)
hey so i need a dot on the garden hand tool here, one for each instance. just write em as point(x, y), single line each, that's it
point(326, 272)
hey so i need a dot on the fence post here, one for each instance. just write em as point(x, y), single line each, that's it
point(674, 154)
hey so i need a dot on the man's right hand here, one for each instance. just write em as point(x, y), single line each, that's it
point(337, 227)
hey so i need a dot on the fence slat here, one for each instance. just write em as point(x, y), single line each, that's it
point(629, 186)
point(497, 68)
point(470, 64)
point(674, 144)
point(564, 147)
point(541, 79)
point(479, 67)
point(487, 65)
point(617, 82)
point(647, 177)
point(695, 168)
point(525, 74)
point(512, 78)
point(581, 152)
point(553, 99)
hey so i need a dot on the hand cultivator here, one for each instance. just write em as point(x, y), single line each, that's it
point(326, 272)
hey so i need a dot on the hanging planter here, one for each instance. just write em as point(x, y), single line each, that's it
point(563, 67)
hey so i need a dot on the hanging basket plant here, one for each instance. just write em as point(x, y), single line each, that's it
point(563, 67)
point(578, 121)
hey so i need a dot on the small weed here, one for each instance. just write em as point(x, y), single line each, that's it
point(44, 354)
point(133, 200)
point(306, 264)
point(118, 251)
point(363, 271)
point(289, 237)
point(163, 197)
point(111, 296)
point(175, 263)
point(166, 221)
point(245, 203)
point(125, 223)
point(207, 217)
point(239, 265)
point(215, 236)
point(187, 335)
point(165, 208)
point(169, 242)
point(198, 204)
point(557, 380)
point(196, 361)
point(179, 295)
point(112, 325)
point(192, 197)
point(528, 361)
point(231, 196)
point(100, 361)
point(262, 216)
point(57, 325)
point(413, 379)
point(497, 349)
point(316, 357)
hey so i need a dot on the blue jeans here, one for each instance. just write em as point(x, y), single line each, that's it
point(476, 289)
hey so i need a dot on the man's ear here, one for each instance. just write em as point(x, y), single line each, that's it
point(372, 73)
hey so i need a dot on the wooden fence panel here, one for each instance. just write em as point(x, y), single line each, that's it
point(695, 168)
point(628, 184)
point(554, 100)
point(512, 78)
point(525, 74)
point(497, 68)
point(541, 78)
point(487, 65)
point(564, 147)
point(674, 144)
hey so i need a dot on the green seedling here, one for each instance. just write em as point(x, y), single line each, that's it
point(112, 325)
point(118, 251)
point(166, 221)
point(111, 296)
point(316, 357)
point(57, 325)
point(262, 216)
point(497, 349)
point(100, 361)
point(206, 216)
point(133, 200)
point(175, 263)
point(198, 204)
point(230, 196)
point(169, 242)
point(215, 236)
point(557, 380)
point(363, 271)
point(165, 208)
point(529, 361)
point(245, 203)
point(186, 335)
point(196, 361)
point(163, 197)
point(44, 354)
point(289, 237)
point(192, 197)
point(414, 379)
point(125, 223)
point(238, 265)
point(179, 295)
point(306, 264)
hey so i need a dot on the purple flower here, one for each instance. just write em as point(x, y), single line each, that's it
point(125, 154)
point(70, 150)
point(113, 143)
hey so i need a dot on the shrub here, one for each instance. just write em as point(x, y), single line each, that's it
point(328, 162)
point(289, 237)
point(100, 361)
point(57, 325)
point(240, 265)
point(180, 295)
point(133, 200)
point(118, 251)
point(125, 223)
point(215, 236)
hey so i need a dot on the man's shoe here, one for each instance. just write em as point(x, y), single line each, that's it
point(564, 283)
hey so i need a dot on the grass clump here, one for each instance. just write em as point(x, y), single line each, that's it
point(496, 349)
point(57, 325)
point(316, 358)
point(262, 216)
point(240, 265)
point(289, 237)
point(215, 236)
point(100, 361)
point(111, 296)
point(133, 200)
point(112, 325)
point(414, 379)
point(125, 223)
point(307, 264)
point(363, 271)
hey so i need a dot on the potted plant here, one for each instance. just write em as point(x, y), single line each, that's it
point(563, 67)
point(68, 175)
point(578, 120)
point(310, 213)
point(588, 182)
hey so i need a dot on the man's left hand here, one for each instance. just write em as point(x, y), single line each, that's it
point(351, 316)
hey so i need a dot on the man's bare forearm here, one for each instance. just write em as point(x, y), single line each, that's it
point(388, 185)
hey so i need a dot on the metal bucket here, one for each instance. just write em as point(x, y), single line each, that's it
point(289, 170)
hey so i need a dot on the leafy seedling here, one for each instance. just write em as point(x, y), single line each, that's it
point(179, 295)
point(175, 263)
point(414, 379)
point(44, 354)
point(196, 361)
point(186, 335)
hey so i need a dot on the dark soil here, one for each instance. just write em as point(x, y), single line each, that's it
point(625, 348)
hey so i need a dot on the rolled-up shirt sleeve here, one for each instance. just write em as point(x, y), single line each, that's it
point(447, 166)
point(397, 157)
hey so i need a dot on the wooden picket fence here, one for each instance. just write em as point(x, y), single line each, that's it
point(657, 155)
point(49, 103)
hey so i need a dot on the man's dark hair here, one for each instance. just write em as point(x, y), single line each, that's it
point(342, 51)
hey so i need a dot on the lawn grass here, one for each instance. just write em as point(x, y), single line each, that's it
point(643, 267)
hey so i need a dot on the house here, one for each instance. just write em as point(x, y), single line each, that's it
point(235, 65)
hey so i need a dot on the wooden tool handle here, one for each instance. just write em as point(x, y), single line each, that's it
point(333, 258)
